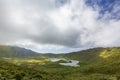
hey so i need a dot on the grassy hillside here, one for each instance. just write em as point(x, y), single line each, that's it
point(109, 64)
point(98, 60)
point(16, 52)
point(95, 64)
point(90, 55)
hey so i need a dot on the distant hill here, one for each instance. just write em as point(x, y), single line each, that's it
point(17, 52)
point(86, 56)
point(95, 54)
point(90, 55)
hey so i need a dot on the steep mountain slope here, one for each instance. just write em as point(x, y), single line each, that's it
point(16, 52)
point(90, 55)
point(109, 64)
point(94, 55)
point(85, 56)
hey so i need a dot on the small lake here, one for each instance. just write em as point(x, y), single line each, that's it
point(72, 63)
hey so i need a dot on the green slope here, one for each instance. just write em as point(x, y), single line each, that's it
point(88, 56)
point(16, 52)
point(95, 64)
point(109, 64)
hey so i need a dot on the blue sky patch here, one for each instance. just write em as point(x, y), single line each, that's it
point(106, 7)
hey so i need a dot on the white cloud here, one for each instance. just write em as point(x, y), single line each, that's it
point(41, 25)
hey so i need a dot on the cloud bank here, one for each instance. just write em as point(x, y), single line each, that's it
point(60, 25)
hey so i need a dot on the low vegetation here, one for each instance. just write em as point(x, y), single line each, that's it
point(95, 64)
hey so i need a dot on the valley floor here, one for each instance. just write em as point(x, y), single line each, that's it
point(31, 69)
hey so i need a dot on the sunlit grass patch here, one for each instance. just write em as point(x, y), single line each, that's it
point(26, 61)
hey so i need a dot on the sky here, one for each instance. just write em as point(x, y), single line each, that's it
point(60, 26)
